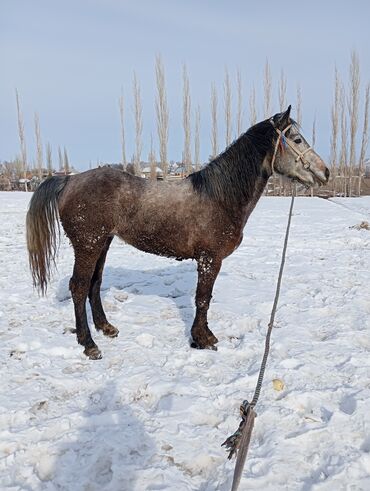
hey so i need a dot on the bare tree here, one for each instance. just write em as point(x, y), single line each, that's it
point(313, 140)
point(39, 153)
point(49, 163)
point(123, 143)
point(299, 104)
point(22, 140)
point(364, 139)
point(267, 85)
point(152, 161)
point(186, 110)
point(282, 91)
point(353, 102)
point(138, 110)
point(61, 160)
point(197, 139)
point(335, 128)
point(162, 114)
point(227, 107)
point(283, 187)
point(19, 167)
point(214, 132)
point(239, 114)
point(66, 162)
point(343, 158)
point(267, 89)
point(313, 132)
point(252, 107)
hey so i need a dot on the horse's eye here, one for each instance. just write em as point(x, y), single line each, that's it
point(298, 140)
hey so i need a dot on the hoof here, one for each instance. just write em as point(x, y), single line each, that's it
point(205, 342)
point(109, 330)
point(93, 353)
point(195, 345)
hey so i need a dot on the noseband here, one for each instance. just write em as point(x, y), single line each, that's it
point(286, 141)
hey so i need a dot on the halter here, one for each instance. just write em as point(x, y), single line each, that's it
point(286, 141)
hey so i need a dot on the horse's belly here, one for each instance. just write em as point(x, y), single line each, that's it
point(162, 242)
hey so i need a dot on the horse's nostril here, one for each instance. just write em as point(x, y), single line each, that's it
point(327, 174)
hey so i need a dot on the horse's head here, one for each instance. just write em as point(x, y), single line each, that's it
point(292, 155)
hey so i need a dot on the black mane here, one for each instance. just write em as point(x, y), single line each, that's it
point(230, 177)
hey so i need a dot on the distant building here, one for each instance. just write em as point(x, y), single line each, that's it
point(147, 172)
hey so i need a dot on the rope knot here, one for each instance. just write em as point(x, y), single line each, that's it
point(232, 443)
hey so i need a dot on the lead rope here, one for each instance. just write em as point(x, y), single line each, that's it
point(239, 441)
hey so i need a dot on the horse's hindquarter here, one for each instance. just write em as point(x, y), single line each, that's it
point(169, 219)
point(88, 206)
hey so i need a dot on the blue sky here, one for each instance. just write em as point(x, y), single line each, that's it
point(69, 60)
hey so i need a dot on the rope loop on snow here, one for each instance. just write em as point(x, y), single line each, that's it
point(238, 442)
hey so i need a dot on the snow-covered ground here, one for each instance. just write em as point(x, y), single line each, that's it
point(152, 414)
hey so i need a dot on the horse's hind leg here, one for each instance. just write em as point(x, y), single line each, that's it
point(98, 314)
point(85, 261)
point(208, 269)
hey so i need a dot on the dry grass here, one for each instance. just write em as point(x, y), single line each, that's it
point(362, 226)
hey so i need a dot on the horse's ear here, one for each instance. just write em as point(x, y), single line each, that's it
point(287, 112)
point(282, 120)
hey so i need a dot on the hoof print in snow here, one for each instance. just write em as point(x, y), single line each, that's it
point(16, 354)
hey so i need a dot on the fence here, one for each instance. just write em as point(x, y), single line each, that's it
point(342, 186)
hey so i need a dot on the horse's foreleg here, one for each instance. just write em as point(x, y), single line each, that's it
point(97, 310)
point(79, 285)
point(208, 269)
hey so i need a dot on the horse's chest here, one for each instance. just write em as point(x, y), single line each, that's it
point(230, 240)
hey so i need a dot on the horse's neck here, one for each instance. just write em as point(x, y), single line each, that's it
point(260, 185)
point(242, 211)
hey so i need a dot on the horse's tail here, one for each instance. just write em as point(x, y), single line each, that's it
point(43, 230)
